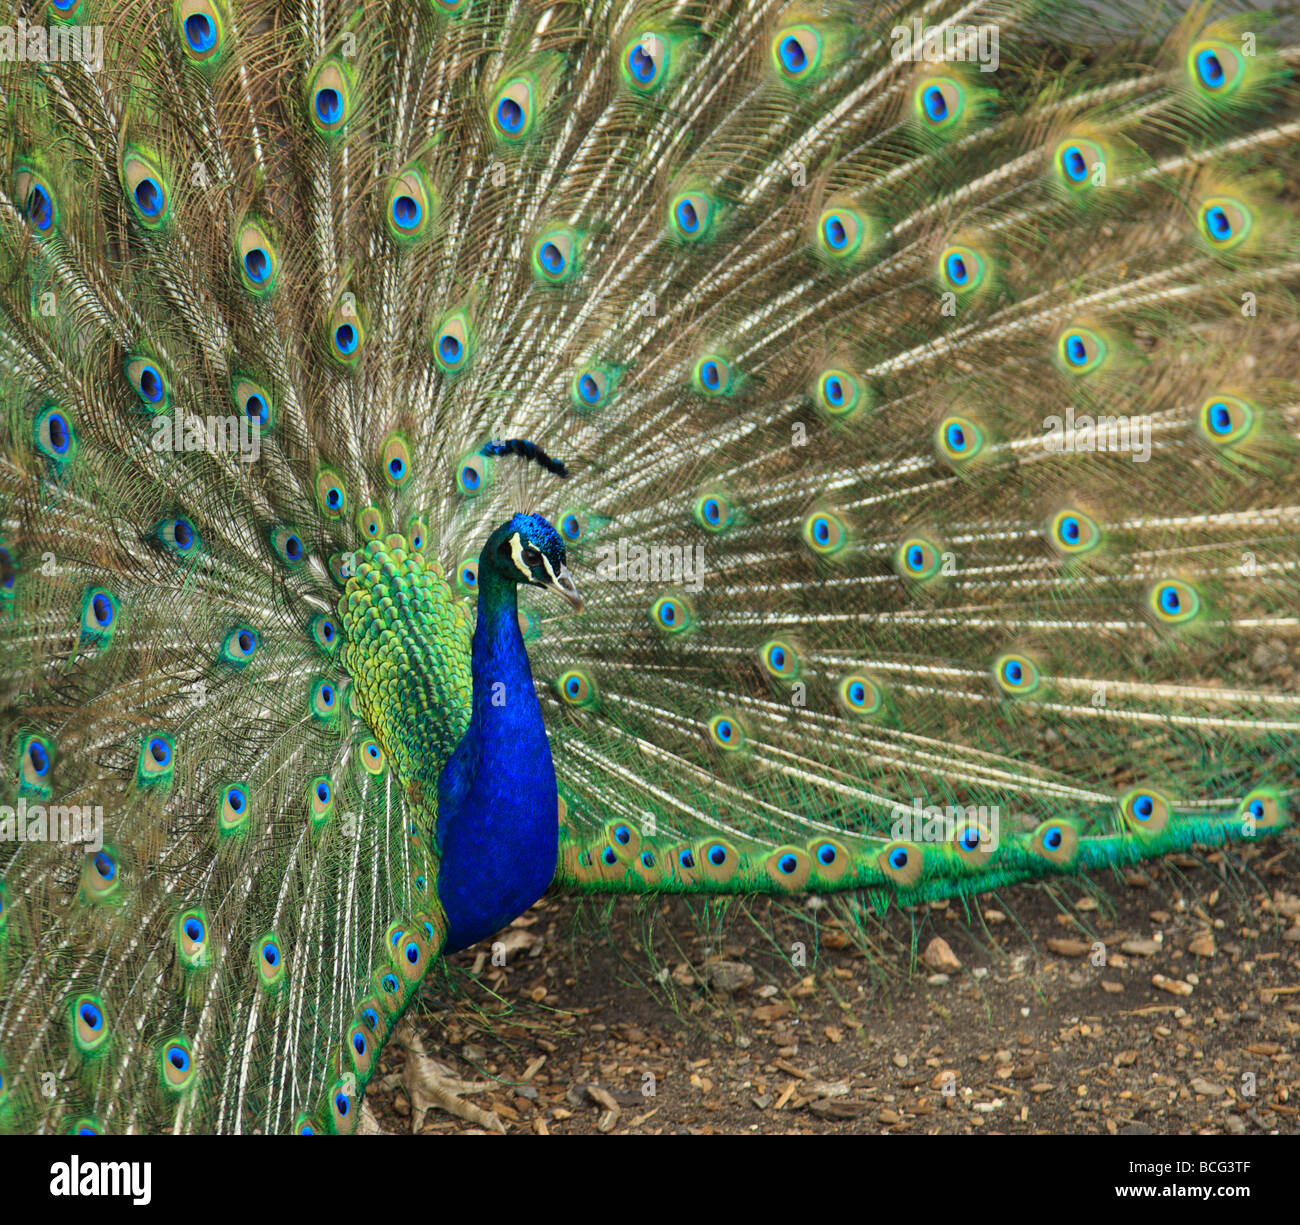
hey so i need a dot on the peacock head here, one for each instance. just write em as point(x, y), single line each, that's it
point(528, 549)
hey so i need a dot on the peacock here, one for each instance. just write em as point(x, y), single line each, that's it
point(456, 449)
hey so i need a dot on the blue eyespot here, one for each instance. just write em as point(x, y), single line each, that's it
point(1170, 601)
point(1013, 672)
point(834, 230)
point(270, 954)
point(105, 865)
point(469, 476)
point(668, 613)
point(1217, 221)
point(257, 263)
point(236, 799)
point(255, 407)
point(450, 348)
point(821, 530)
point(687, 217)
point(826, 854)
point(1053, 838)
point(91, 1016)
point(1210, 69)
point(776, 657)
point(622, 835)
point(469, 576)
point(406, 212)
point(552, 259)
point(571, 527)
point(160, 750)
point(936, 106)
point(1076, 352)
point(329, 106)
point(323, 792)
point(59, 434)
point(1074, 164)
point(723, 729)
point(183, 533)
point(834, 391)
point(359, 1044)
point(1256, 809)
point(151, 384)
point(341, 1103)
point(589, 389)
point(412, 952)
point(915, 557)
point(609, 856)
point(194, 929)
point(179, 1058)
point(955, 437)
point(641, 65)
point(710, 376)
point(1070, 530)
point(510, 115)
point(39, 207)
point(370, 1017)
point(200, 33)
point(396, 467)
point(37, 755)
point(787, 864)
point(389, 983)
point(686, 859)
point(793, 56)
point(573, 686)
point(898, 858)
point(149, 196)
point(372, 751)
point(717, 855)
point(970, 839)
point(345, 338)
point(1143, 807)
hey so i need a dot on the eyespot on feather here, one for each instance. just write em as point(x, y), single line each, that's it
point(1145, 811)
point(901, 862)
point(1225, 420)
point(1055, 841)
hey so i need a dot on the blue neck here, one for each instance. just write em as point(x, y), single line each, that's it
point(497, 816)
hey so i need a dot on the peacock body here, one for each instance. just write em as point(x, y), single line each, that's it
point(925, 381)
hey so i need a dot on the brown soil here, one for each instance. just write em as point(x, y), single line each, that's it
point(1190, 1026)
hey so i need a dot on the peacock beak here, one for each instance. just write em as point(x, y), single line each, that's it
point(562, 583)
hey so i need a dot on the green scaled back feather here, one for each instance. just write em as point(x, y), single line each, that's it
point(823, 330)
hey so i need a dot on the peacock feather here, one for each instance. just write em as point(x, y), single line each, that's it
point(909, 390)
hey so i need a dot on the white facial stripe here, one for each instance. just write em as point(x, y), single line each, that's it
point(517, 556)
point(546, 561)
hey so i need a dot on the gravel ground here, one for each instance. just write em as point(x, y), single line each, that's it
point(1164, 1001)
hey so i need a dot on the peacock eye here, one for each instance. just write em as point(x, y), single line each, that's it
point(532, 557)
